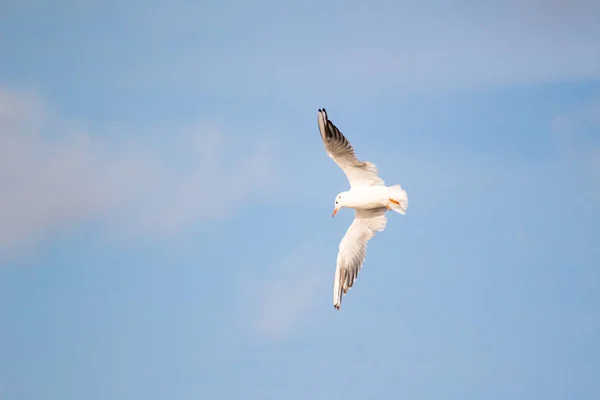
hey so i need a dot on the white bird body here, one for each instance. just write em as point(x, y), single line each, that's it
point(368, 195)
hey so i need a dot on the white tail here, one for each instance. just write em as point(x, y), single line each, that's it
point(398, 194)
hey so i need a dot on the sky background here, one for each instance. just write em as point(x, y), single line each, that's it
point(165, 207)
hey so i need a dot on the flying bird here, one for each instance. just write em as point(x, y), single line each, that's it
point(368, 196)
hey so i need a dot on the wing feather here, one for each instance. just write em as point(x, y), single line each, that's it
point(353, 249)
point(341, 151)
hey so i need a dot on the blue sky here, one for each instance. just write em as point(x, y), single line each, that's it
point(165, 226)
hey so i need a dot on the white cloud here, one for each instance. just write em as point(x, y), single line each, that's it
point(55, 175)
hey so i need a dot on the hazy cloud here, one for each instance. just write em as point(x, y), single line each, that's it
point(386, 48)
point(280, 302)
point(392, 45)
point(576, 134)
point(580, 121)
point(55, 175)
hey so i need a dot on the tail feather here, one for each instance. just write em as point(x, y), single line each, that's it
point(400, 196)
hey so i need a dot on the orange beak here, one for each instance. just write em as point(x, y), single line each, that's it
point(334, 212)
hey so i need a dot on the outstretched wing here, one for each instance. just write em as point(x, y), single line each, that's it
point(341, 151)
point(353, 249)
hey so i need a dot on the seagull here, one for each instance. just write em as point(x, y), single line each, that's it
point(368, 196)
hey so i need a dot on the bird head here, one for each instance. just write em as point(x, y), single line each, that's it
point(339, 203)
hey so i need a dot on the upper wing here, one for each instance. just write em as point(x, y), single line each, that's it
point(353, 249)
point(341, 151)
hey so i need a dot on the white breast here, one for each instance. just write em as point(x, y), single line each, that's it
point(367, 196)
